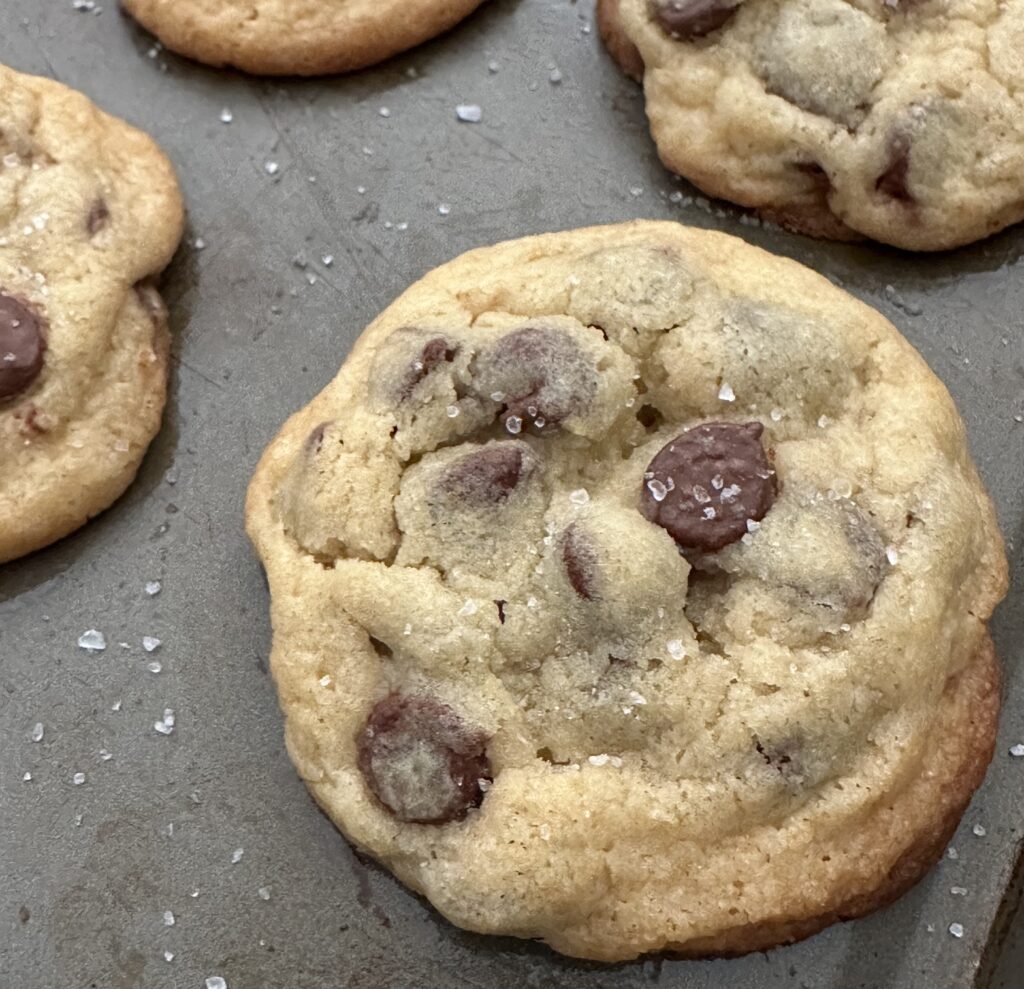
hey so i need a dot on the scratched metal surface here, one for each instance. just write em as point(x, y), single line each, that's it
point(88, 871)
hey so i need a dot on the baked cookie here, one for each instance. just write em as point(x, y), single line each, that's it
point(89, 212)
point(899, 120)
point(621, 576)
point(296, 37)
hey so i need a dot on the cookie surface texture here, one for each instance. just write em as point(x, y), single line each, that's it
point(296, 37)
point(90, 213)
point(899, 121)
point(621, 576)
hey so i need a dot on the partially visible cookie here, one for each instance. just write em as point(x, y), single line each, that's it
point(90, 212)
point(624, 574)
point(296, 37)
point(898, 120)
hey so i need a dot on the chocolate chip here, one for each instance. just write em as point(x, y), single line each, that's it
point(542, 375)
point(98, 216)
point(315, 440)
point(705, 485)
point(650, 418)
point(687, 19)
point(893, 181)
point(500, 605)
point(422, 761)
point(434, 352)
point(381, 648)
point(488, 475)
point(22, 346)
point(580, 562)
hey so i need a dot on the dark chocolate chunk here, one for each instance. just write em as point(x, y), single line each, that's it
point(97, 218)
point(487, 475)
point(422, 761)
point(543, 378)
point(687, 19)
point(434, 352)
point(22, 346)
point(580, 562)
point(706, 485)
point(893, 182)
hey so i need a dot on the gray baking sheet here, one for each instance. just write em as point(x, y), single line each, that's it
point(210, 823)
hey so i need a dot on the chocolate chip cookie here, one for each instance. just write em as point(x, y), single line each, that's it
point(621, 576)
point(90, 212)
point(897, 120)
point(296, 37)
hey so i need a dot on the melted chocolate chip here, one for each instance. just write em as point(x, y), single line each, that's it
point(487, 475)
point(422, 761)
point(381, 648)
point(687, 19)
point(97, 218)
point(893, 181)
point(315, 440)
point(706, 484)
point(434, 352)
point(500, 605)
point(543, 376)
point(22, 346)
point(580, 562)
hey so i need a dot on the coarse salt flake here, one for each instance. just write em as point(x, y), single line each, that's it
point(469, 113)
point(657, 489)
point(92, 641)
